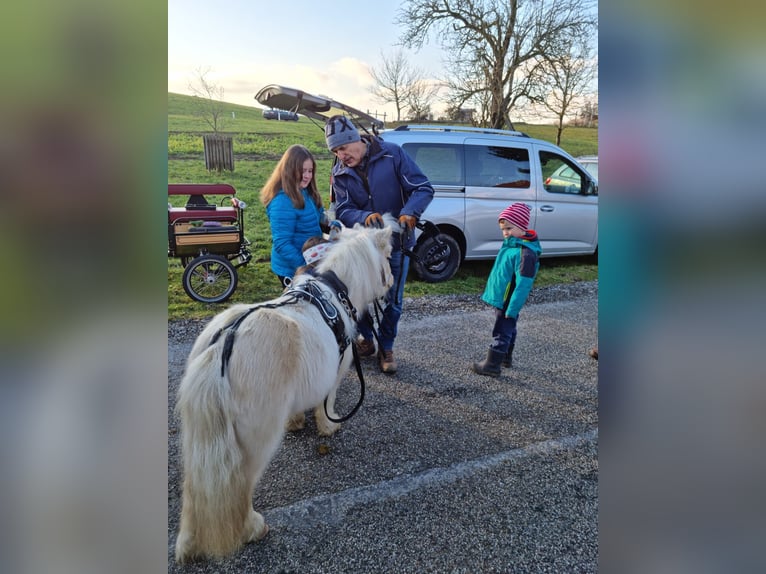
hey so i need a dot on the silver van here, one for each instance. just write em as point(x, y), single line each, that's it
point(476, 173)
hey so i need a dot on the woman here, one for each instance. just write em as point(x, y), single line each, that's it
point(294, 208)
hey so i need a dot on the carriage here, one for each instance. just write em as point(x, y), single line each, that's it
point(208, 238)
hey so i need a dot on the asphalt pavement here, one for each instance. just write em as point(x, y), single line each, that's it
point(441, 470)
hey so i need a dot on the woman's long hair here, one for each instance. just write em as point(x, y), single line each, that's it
point(287, 177)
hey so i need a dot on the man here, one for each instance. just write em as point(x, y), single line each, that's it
point(373, 177)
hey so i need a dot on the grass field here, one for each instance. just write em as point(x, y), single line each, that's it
point(258, 145)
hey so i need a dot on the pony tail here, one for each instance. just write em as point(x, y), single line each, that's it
point(216, 493)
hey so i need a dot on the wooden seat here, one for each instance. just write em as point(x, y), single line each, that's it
point(181, 214)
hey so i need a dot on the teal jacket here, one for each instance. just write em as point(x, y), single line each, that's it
point(290, 228)
point(513, 274)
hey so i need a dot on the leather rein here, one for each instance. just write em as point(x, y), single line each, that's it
point(311, 291)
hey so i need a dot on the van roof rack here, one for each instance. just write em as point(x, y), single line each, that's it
point(440, 128)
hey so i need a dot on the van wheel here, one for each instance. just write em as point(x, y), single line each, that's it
point(438, 258)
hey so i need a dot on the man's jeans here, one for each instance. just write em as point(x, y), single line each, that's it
point(389, 322)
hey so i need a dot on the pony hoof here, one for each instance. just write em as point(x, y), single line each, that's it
point(258, 527)
point(296, 423)
point(328, 429)
point(263, 533)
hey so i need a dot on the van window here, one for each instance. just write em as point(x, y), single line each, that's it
point(442, 163)
point(560, 175)
point(496, 166)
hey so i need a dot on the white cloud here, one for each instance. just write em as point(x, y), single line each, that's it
point(346, 80)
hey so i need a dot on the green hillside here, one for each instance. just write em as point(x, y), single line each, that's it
point(254, 136)
point(257, 137)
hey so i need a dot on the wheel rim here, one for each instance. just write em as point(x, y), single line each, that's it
point(210, 280)
point(437, 258)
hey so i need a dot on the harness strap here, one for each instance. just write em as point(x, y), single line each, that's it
point(310, 291)
point(358, 365)
point(231, 329)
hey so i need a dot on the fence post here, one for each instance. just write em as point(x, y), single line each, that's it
point(219, 152)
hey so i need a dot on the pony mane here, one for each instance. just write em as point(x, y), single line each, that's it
point(358, 258)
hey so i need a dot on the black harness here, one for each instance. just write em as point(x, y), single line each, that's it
point(311, 291)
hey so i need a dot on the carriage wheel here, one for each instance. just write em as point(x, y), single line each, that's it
point(209, 279)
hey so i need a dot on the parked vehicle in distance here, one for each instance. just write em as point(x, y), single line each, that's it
point(283, 115)
point(566, 180)
point(476, 173)
point(590, 163)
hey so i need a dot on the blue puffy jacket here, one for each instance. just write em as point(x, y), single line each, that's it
point(396, 186)
point(290, 228)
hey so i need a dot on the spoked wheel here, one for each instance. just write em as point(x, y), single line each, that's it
point(210, 279)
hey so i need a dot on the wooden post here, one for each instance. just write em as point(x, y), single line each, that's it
point(219, 152)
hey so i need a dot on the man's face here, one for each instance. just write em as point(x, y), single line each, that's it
point(351, 153)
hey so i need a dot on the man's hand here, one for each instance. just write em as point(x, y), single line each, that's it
point(374, 220)
point(407, 221)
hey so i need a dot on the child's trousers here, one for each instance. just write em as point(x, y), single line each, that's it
point(504, 332)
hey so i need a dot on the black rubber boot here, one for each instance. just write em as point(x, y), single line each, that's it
point(508, 359)
point(491, 365)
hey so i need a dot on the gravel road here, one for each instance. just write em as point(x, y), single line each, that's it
point(441, 470)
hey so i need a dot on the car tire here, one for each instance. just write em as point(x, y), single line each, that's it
point(437, 258)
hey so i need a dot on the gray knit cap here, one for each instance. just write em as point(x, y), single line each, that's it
point(340, 131)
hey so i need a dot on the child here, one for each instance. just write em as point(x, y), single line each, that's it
point(294, 208)
point(315, 248)
point(509, 284)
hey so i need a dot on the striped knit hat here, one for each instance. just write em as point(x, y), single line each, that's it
point(517, 214)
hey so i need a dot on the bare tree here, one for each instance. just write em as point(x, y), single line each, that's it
point(209, 105)
point(393, 81)
point(209, 99)
point(420, 98)
point(501, 44)
point(569, 77)
point(466, 87)
point(588, 115)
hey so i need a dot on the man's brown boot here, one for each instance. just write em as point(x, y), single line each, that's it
point(386, 361)
point(365, 348)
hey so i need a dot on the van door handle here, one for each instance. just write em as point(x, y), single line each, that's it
point(546, 208)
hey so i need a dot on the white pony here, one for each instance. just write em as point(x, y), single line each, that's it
point(251, 368)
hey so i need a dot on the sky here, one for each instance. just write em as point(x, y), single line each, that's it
point(321, 47)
